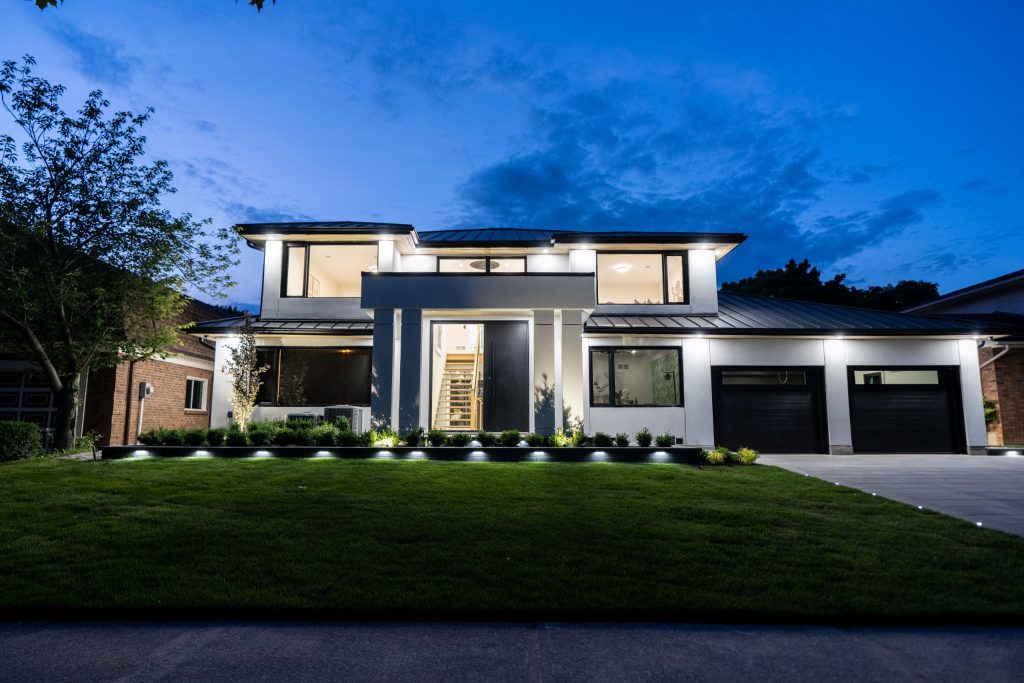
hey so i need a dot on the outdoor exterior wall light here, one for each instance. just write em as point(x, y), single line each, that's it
point(263, 454)
point(475, 444)
point(599, 456)
point(659, 456)
point(477, 455)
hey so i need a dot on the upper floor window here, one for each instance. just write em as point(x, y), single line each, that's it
point(322, 270)
point(641, 278)
point(475, 265)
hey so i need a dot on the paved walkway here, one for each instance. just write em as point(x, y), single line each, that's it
point(502, 652)
point(977, 488)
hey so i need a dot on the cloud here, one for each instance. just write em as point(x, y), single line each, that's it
point(97, 58)
point(241, 212)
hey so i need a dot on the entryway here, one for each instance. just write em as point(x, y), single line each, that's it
point(480, 376)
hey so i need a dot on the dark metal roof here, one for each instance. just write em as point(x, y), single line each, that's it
point(1007, 280)
point(486, 236)
point(533, 237)
point(325, 227)
point(746, 314)
point(260, 326)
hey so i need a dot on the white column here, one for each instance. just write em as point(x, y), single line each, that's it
point(220, 387)
point(273, 255)
point(703, 281)
point(971, 393)
point(837, 398)
point(699, 416)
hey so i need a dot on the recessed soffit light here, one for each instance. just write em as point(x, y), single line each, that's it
point(621, 267)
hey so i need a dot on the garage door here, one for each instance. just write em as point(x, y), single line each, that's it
point(775, 410)
point(906, 410)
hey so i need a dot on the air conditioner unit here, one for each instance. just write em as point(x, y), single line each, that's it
point(358, 416)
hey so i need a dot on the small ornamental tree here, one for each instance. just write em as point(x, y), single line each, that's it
point(245, 374)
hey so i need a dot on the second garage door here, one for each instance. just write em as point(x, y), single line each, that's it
point(775, 410)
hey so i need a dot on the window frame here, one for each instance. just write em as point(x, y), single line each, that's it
point(305, 265)
point(611, 375)
point(664, 276)
point(487, 259)
point(188, 394)
point(276, 367)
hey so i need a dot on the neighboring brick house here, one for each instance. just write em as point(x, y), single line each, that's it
point(110, 404)
point(999, 300)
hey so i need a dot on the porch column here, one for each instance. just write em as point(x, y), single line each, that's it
point(383, 366)
point(544, 372)
point(409, 394)
point(837, 398)
point(574, 371)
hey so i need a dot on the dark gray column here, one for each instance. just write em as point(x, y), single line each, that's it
point(383, 366)
point(409, 394)
point(544, 372)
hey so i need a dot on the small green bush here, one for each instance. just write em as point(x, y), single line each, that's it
point(346, 437)
point(510, 437)
point(154, 437)
point(384, 438)
point(215, 436)
point(560, 439)
point(437, 437)
point(298, 422)
point(486, 438)
point(602, 440)
point(286, 437)
point(536, 440)
point(665, 440)
point(343, 424)
point(234, 437)
point(580, 439)
point(193, 437)
point(414, 437)
point(717, 456)
point(644, 437)
point(20, 440)
point(622, 440)
point(324, 434)
point(459, 439)
point(745, 456)
point(264, 433)
point(304, 436)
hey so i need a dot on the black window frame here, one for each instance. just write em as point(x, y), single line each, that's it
point(275, 367)
point(664, 276)
point(305, 265)
point(611, 375)
point(189, 394)
point(486, 259)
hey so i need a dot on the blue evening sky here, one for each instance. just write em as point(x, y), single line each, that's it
point(883, 139)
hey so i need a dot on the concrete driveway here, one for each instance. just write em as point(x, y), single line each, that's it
point(976, 488)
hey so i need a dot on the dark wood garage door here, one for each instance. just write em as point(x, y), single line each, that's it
point(775, 410)
point(906, 410)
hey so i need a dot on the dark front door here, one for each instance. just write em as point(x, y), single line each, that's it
point(906, 410)
point(506, 376)
point(773, 410)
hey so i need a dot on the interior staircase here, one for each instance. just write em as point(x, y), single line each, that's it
point(458, 407)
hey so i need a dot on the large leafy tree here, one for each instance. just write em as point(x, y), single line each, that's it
point(802, 281)
point(91, 265)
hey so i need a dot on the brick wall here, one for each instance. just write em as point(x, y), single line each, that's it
point(165, 408)
point(1003, 382)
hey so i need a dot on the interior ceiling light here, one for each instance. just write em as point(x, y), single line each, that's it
point(621, 267)
point(481, 264)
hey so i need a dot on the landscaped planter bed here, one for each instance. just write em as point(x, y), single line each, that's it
point(634, 454)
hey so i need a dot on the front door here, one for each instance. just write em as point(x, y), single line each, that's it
point(506, 388)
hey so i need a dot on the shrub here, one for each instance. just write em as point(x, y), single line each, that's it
point(459, 439)
point(536, 440)
point(437, 437)
point(622, 440)
point(665, 440)
point(343, 424)
point(193, 437)
point(560, 440)
point(510, 437)
point(215, 437)
point(304, 436)
point(285, 437)
point(298, 422)
point(234, 437)
point(20, 440)
point(579, 439)
point(346, 437)
point(486, 438)
point(414, 437)
point(173, 437)
point(716, 456)
point(644, 437)
point(264, 433)
point(602, 440)
point(154, 437)
point(324, 434)
point(384, 438)
point(745, 456)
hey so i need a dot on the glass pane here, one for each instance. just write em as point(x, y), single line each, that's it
point(336, 270)
point(647, 377)
point(895, 376)
point(324, 377)
point(674, 275)
point(508, 265)
point(469, 266)
point(780, 377)
point(268, 388)
point(600, 384)
point(629, 279)
point(295, 258)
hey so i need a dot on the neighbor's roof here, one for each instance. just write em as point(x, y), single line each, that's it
point(261, 326)
point(745, 314)
point(1010, 279)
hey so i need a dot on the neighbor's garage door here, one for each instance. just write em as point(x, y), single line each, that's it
point(906, 410)
point(775, 410)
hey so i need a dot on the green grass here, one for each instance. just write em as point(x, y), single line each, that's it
point(162, 538)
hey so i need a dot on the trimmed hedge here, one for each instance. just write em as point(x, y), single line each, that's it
point(20, 440)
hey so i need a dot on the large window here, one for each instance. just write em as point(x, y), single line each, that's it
point(326, 270)
point(641, 278)
point(315, 377)
point(478, 265)
point(642, 376)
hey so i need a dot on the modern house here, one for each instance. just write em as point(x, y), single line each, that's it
point(609, 331)
point(999, 301)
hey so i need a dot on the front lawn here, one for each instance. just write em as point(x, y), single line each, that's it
point(205, 537)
